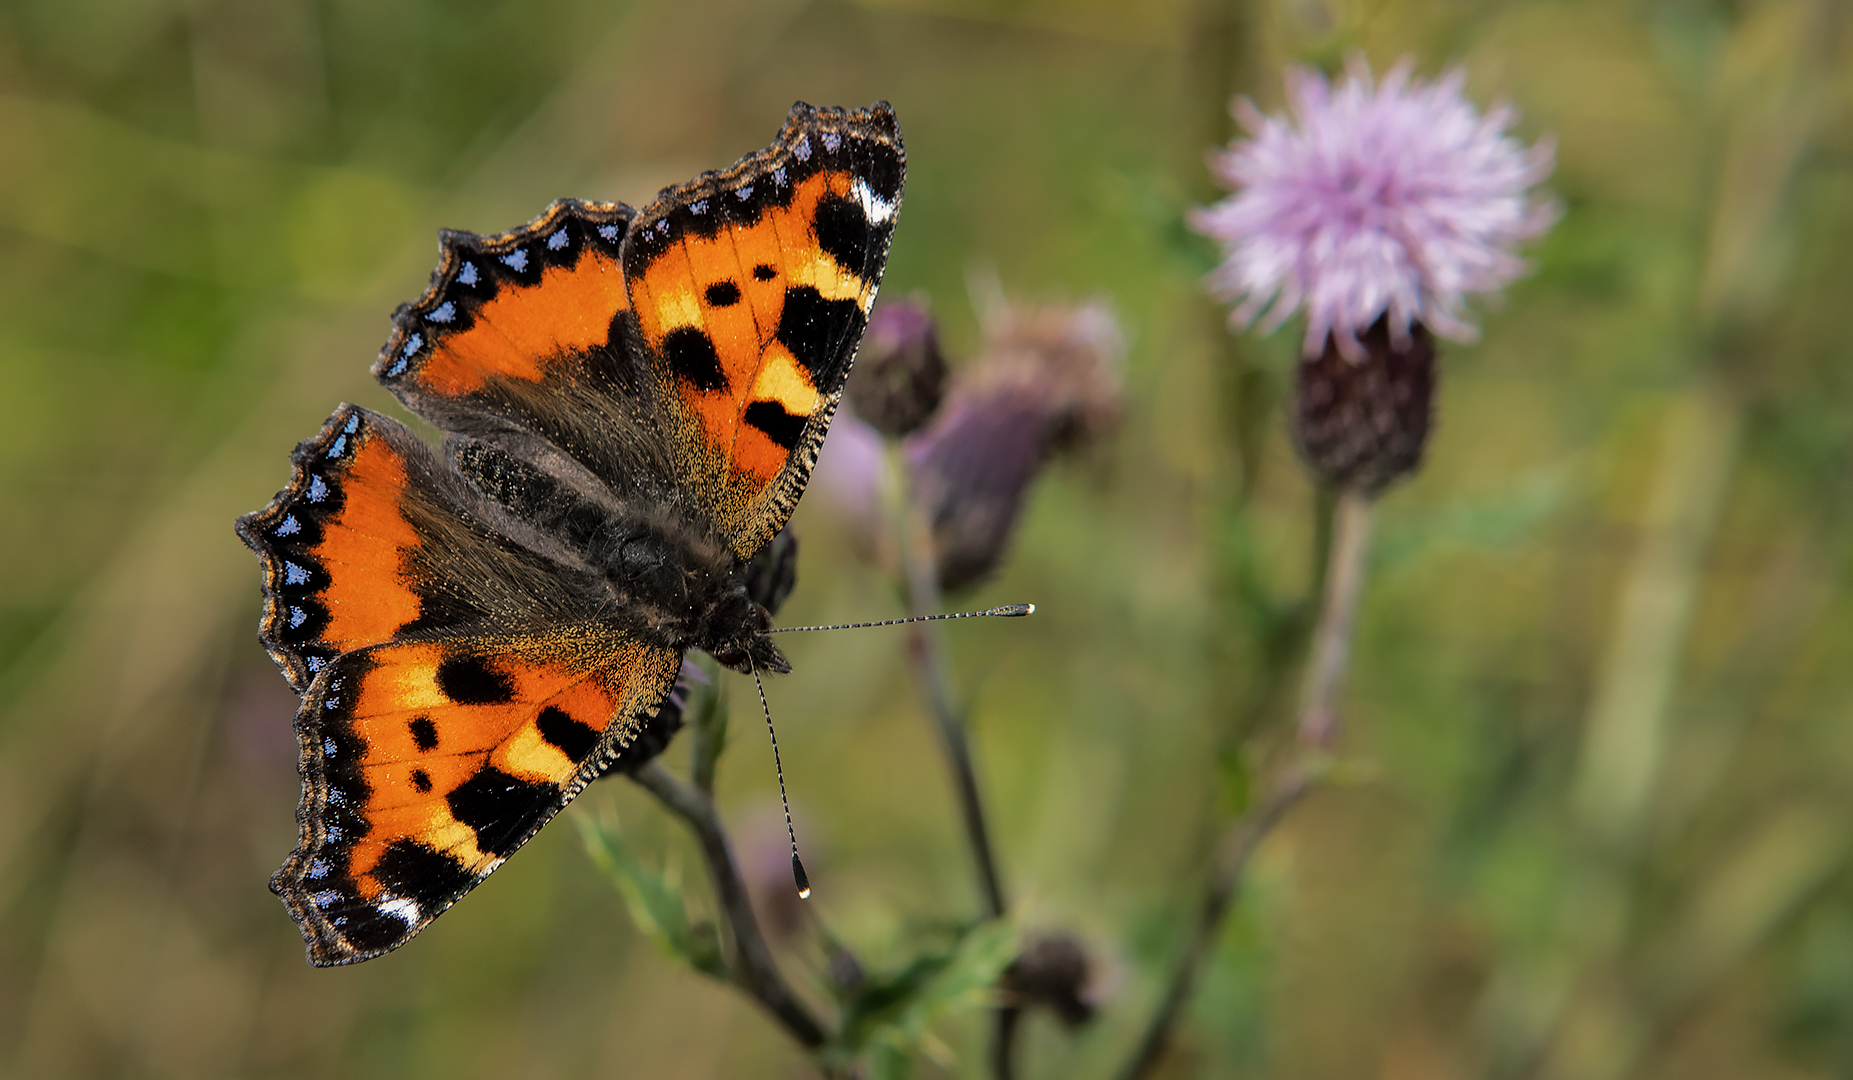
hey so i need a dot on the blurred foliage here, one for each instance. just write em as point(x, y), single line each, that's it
point(1601, 666)
point(891, 1015)
point(654, 898)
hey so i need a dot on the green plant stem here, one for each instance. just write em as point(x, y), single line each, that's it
point(1344, 580)
point(1317, 729)
point(926, 655)
point(751, 966)
point(1232, 855)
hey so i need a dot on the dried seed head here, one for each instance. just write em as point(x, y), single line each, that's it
point(1047, 381)
point(900, 375)
point(1068, 357)
point(1053, 971)
point(1362, 424)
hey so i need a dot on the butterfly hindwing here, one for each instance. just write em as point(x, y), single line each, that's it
point(750, 289)
point(427, 763)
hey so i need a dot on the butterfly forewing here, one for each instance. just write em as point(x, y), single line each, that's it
point(750, 289)
point(526, 334)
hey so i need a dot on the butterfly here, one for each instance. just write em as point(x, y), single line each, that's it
point(631, 402)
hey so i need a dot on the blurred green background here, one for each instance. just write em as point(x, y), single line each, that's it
point(1600, 819)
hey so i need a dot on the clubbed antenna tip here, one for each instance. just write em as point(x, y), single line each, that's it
point(797, 866)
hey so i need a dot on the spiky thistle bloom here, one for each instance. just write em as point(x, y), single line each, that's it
point(1394, 199)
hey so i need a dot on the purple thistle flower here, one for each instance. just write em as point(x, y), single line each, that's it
point(1393, 199)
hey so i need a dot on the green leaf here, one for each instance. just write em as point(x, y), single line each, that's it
point(654, 900)
point(891, 1015)
point(890, 1063)
point(1237, 781)
point(706, 716)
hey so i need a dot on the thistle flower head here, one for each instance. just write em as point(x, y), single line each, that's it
point(1375, 199)
point(901, 375)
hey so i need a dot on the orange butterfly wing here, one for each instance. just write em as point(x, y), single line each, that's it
point(429, 762)
point(750, 289)
point(692, 353)
point(522, 307)
point(464, 670)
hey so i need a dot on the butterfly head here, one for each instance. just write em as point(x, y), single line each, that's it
point(742, 632)
point(751, 648)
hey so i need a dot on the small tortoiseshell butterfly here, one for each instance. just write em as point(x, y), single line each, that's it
point(632, 403)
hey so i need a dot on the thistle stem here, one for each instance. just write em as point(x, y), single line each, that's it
point(1325, 673)
point(1231, 859)
point(1318, 727)
point(926, 654)
point(752, 968)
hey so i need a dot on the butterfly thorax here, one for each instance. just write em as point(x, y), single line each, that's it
point(687, 590)
point(645, 565)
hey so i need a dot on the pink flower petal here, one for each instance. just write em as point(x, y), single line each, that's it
point(1392, 198)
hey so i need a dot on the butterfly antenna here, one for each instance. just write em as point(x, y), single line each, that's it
point(798, 875)
point(1002, 611)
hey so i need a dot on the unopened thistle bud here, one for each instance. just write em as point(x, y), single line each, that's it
point(1363, 424)
point(900, 374)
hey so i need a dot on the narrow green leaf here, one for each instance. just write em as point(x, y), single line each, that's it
point(893, 1015)
point(706, 716)
point(653, 900)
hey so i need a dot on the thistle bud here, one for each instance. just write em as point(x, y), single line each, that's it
point(1363, 423)
point(1052, 971)
point(971, 472)
point(901, 374)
